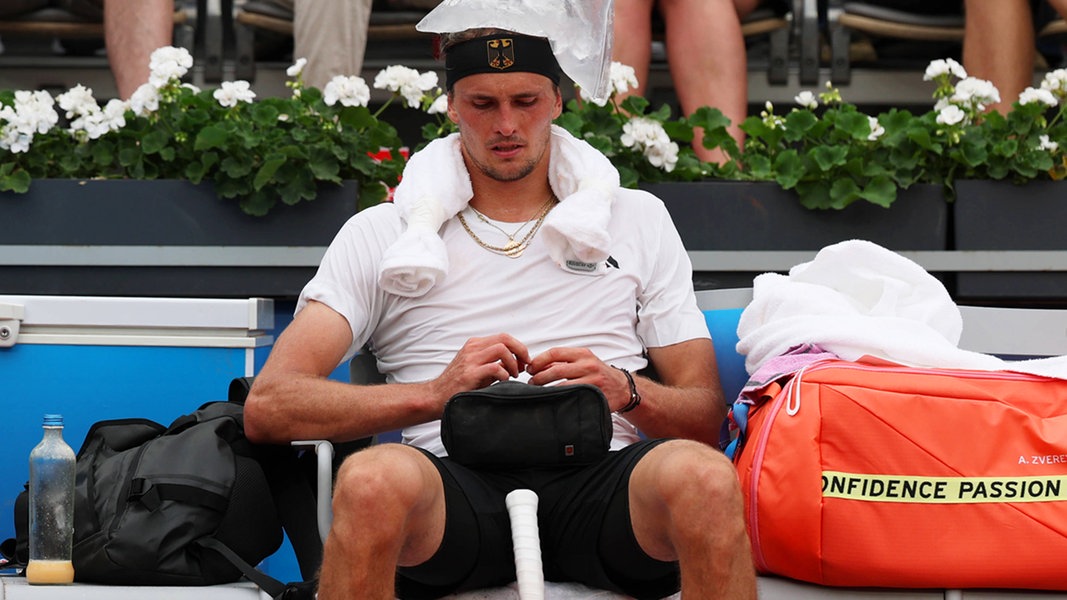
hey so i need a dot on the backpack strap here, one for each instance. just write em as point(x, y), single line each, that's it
point(268, 584)
point(151, 496)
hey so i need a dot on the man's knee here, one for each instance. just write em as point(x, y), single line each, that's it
point(390, 474)
point(690, 470)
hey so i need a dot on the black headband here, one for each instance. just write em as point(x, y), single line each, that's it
point(500, 53)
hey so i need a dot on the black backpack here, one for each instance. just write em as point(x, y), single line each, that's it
point(194, 503)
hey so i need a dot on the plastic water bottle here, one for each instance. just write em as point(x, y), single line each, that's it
point(51, 507)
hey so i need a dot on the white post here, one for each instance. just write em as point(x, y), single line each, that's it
point(522, 509)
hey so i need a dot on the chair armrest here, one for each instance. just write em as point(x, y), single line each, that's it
point(323, 481)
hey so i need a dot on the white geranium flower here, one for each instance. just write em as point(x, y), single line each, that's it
point(114, 115)
point(407, 82)
point(977, 93)
point(807, 99)
point(90, 124)
point(349, 90)
point(640, 131)
point(233, 92)
point(297, 68)
point(439, 105)
point(1056, 82)
point(944, 66)
point(876, 129)
point(145, 100)
point(77, 101)
point(951, 115)
point(1047, 144)
point(32, 113)
point(623, 78)
point(1031, 95)
point(648, 136)
point(13, 140)
point(168, 63)
point(663, 156)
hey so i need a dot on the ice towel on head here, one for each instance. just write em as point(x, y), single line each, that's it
point(857, 299)
point(436, 186)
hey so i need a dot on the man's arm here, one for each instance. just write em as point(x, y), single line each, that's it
point(292, 398)
point(686, 402)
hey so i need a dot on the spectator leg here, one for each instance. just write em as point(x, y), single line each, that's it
point(133, 29)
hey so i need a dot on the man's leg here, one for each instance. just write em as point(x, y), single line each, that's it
point(332, 35)
point(633, 39)
point(998, 45)
point(133, 29)
point(389, 510)
point(708, 61)
point(686, 505)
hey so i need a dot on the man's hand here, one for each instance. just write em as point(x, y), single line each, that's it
point(580, 365)
point(481, 361)
point(685, 402)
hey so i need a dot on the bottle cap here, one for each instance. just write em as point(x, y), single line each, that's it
point(53, 420)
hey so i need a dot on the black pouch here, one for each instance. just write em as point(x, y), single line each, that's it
point(514, 425)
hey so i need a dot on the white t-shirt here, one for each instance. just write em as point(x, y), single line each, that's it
point(643, 299)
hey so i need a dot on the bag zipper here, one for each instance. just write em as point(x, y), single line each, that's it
point(757, 469)
point(790, 396)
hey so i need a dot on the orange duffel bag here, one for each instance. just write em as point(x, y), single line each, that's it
point(873, 474)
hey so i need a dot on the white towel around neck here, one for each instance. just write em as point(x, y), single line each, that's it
point(436, 186)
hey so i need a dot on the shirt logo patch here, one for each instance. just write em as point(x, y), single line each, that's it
point(577, 265)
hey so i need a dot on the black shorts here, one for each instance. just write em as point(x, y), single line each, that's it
point(583, 516)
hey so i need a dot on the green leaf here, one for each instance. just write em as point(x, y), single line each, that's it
point(828, 157)
point(210, 137)
point(857, 125)
point(789, 169)
point(267, 171)
point(635, 105)
point(843, 191)
point(154, 141)
point(17, 181)
point(372, 193)
point(257, 203)
point(236, 166)
point(815, 195)
point(799, 123)
point(881, 191)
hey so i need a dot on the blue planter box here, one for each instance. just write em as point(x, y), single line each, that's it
point(1000, 215)
point(742, 216)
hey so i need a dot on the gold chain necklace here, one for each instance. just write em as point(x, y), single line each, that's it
point(512, 249)
point(510, 236)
